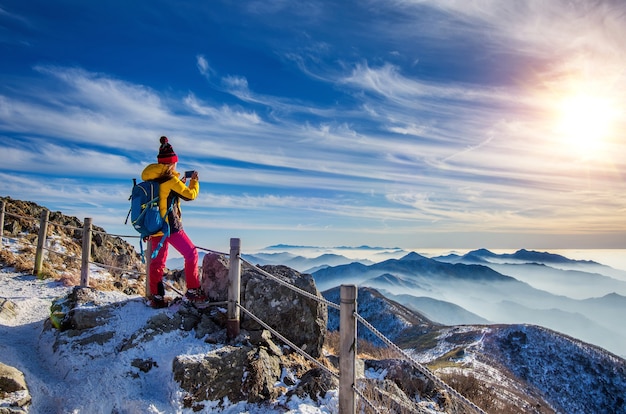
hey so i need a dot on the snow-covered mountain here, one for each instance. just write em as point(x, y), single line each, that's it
point(534, 369)
point(496, 297)
point(122, 361)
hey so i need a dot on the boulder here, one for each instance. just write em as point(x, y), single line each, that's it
point(14, 394)
point(246, 373)
point(7, 309)
point(215, 277)
point(280, 307)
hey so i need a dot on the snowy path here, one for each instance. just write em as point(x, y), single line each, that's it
point(20, 332)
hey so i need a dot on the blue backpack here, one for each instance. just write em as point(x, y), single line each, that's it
point(145, 216)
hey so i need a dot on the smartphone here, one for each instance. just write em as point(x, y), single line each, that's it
point(188, 174)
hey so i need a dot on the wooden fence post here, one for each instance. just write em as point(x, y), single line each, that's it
point(84, 268)
point(2, 208)
point(234, 287)
point(41, 241)
point(347, 349)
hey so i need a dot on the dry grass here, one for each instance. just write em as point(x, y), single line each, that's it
point(22, 262)
point(365, 349)
point(476, 391)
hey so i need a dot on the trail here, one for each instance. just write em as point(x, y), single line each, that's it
point(21, 330)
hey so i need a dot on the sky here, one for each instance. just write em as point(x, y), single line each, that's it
point(409, 123)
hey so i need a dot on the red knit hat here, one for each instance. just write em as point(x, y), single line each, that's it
point(166, 152)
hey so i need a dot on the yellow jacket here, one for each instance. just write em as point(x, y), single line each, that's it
point(171, 190)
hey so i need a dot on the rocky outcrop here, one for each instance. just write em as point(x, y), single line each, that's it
point(70, 314)
point(256, 372)
point(280, 307)
point(22, 219)
point(14, 395)
point(244, 373)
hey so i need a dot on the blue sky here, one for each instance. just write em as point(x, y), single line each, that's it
point(417, 124)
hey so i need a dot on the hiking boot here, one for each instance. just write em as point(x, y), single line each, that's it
point(157, 302)
point(195, 295)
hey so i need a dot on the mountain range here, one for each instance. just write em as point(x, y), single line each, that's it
point(518, 367)
point(581, 298)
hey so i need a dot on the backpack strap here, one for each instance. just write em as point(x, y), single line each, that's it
point(129, 198)
point(166, 232)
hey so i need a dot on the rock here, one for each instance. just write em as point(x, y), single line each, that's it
point(14, 394)
point(283, 309)
point(264, 338)
point(106, 249)
point(236, 373)
point(215, 277)
point(216, 376)
point(263, 371)
point(405, 376)
point(315, 383)
point(394, 397)
point(7, 309)
point(280, 307)
point(144, 365)
point(70, 312)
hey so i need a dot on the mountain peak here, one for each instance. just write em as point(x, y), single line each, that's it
point(413, 256)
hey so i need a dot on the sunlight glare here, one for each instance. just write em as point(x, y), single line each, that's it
point(585, 122)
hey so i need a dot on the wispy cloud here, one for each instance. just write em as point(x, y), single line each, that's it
point(404, 127)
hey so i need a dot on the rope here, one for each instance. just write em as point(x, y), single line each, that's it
point(212, 251)
point(18, 216)
point(115, 235)
point(294, 288)
point(118, 268)
point(365, 400)
point(66, 226)
point(421, 368)
point(61, 254)
point(288, 342)
point(53, 223)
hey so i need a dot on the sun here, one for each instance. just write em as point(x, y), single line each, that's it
point(585, 122)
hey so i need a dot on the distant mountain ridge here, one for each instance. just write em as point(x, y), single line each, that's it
point(578, 297)
point(526, 256)
point(486, 294)
point(362, 247)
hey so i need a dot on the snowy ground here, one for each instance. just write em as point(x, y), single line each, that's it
point(97, 378)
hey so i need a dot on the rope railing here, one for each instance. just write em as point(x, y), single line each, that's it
point(120, 269)
point(74, 257)
point(204, 249)
point(311, 296)
point(67, 256)
point(126, 236)
point(19, 216)
point(421, 368)
point(234, 306)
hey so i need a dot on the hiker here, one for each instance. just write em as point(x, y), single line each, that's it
point(171, 190)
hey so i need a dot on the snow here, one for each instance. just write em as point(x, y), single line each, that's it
point(94, 378)
point(70, 377)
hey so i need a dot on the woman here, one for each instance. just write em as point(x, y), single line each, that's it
point(171, 190)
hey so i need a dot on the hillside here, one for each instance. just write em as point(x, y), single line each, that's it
point(527, 367)
point(115, 355)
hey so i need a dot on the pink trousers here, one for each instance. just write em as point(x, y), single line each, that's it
point(181, 242)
